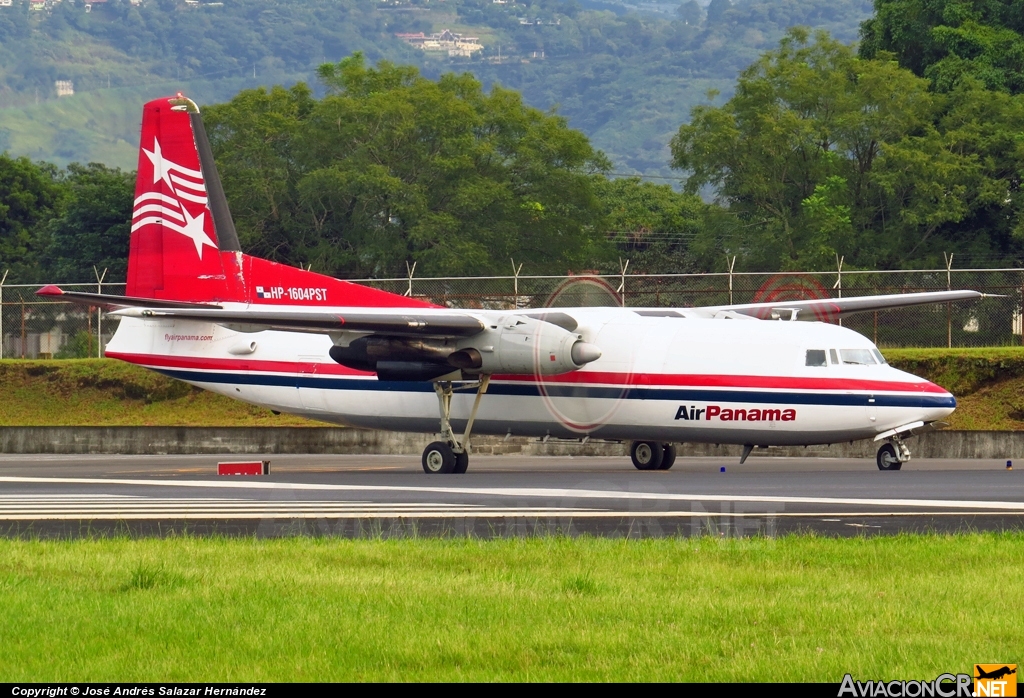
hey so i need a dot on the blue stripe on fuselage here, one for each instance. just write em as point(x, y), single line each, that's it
point(532, 390)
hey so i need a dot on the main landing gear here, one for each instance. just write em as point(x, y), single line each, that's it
point(451, 455)
point(892, 454)
point(652, 455)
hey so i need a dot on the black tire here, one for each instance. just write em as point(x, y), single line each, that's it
point(461, 463)
point(438, 459)
point(887, 458)
point(669, 459)
point(647, 455)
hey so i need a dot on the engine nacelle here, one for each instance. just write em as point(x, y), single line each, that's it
point(525, 346)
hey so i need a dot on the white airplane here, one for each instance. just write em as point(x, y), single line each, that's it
point(198, 309)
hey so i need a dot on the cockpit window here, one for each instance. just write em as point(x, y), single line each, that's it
point(816, 357)
point(878, 355)
point(835, 357)
point(861, 357)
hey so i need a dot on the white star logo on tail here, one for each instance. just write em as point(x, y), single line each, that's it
point(186, 184)
point(195, 230)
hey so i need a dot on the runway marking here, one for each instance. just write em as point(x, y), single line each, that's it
point(106, 506)
point(531, 492)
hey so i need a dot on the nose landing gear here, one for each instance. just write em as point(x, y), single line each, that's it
point(451, 455)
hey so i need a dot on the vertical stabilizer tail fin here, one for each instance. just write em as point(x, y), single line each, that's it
point(184, 246)
point(183, 242)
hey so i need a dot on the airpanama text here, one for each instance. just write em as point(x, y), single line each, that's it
point(188, 337)
point(727, 414)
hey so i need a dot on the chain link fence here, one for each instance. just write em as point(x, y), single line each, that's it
point(32, 327)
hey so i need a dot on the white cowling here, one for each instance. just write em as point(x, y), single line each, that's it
point(524, 345)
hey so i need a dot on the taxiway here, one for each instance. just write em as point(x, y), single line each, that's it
point(353, 495)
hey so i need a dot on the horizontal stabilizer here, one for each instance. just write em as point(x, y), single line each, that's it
point(108, 302)
point(401, 324)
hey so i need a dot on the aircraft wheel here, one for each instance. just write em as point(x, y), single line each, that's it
point(669, 459)
point(647, 455)
point(461, 463)
point(438, 458)
point(887, 458)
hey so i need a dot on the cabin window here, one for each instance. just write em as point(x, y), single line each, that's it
point(860, 357)
point(878, 355)
point(835, 356)
point(816, 357)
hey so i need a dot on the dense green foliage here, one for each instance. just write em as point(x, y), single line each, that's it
point(59, 224)
point(889, 157)
point(822, 153)
point(390, 168)
point(949, 40)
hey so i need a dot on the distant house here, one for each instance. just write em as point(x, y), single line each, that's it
point(37, 5)
point(6, 3)
point(447, 41)
point(65, 88)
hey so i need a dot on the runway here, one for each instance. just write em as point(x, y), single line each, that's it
point(354, 496)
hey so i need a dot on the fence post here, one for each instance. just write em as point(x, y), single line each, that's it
point(732, 265)
point(515, 282)
point(949, 306)
point(23, 328)
point(622, 281)
point(839, 280)
point(2, 312)
point(99, 312)
point(411, 270)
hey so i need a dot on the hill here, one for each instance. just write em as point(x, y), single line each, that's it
point(626, 75)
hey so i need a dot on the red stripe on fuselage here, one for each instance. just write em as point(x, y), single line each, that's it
point(639, 380)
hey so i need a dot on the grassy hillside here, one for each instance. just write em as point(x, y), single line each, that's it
point(104, 392)
point(624, 75)
point(101, 125)
point(988, 384)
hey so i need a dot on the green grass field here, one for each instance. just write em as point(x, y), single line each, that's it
point(988, 384)
point(795, 608)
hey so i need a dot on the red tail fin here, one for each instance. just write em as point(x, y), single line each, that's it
point(183, 244)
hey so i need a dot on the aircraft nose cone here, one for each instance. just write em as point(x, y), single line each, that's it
point(584, 353)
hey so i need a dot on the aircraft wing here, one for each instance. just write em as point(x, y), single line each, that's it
point(411, 322)
point(831, 308)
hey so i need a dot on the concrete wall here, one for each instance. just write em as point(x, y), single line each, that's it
point(272, 440)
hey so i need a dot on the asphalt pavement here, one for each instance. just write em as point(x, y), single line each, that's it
point(356, 496)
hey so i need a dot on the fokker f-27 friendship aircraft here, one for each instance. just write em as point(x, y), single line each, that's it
point(198, 309)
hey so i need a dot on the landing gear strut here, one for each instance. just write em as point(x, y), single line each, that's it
point(892, 454)
point(451, 454)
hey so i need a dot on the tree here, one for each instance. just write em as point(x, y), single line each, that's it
point(29, 195)
point(390, 167)
point(94, 226)
point(822, 153)
point(947, 40)
point(690, 12)
point(658, 229)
